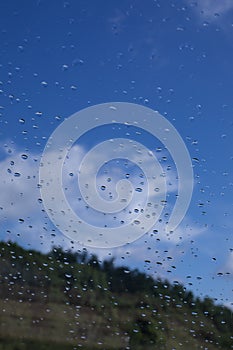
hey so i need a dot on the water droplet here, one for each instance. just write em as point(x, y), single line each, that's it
point(103, 188)
point(24, 156)
point(22, 121)
point(20, 48)
point(137, 222)
point(44, 83)
point(150, 153)
point(138, 189)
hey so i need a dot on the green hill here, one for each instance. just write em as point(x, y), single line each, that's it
point(63, 300)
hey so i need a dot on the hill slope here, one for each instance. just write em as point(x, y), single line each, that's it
point(69, 301)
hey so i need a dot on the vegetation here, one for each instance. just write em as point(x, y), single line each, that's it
point(68, 300)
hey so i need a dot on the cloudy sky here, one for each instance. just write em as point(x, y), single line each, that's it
point(175, 57)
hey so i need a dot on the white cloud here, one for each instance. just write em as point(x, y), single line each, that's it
point(228, 267)
point(20, 198)
point(212, 9)
point(229, 305)
point(227, 270)
point(19, 191)
point(117, 21)
point(185, 231)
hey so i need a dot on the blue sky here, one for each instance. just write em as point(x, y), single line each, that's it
point(176, 57)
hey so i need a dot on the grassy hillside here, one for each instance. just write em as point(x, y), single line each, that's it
point(71, 301)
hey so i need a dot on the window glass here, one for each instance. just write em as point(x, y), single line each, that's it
point(116, 174)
